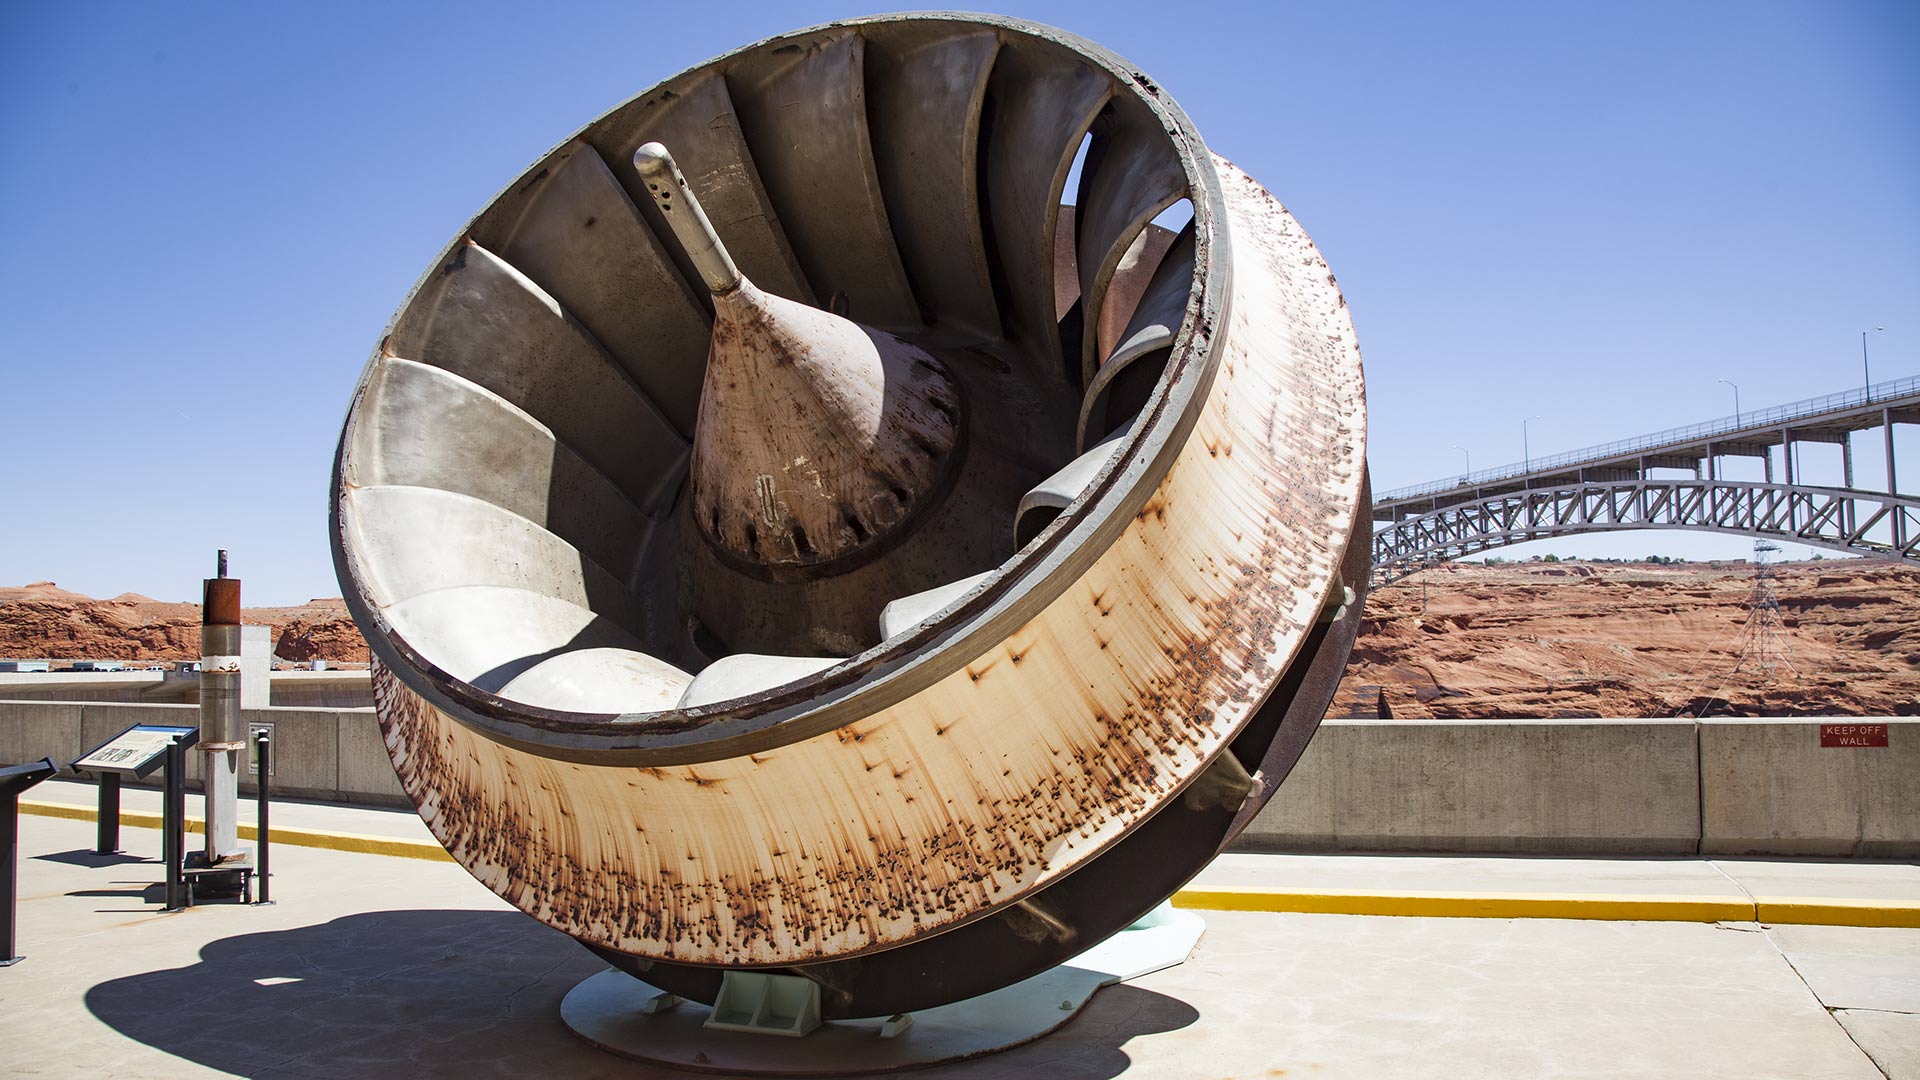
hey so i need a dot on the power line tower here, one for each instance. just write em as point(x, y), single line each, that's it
point(1763, 645)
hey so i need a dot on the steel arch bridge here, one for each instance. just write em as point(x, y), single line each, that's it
point(1837, 519)
point(1613, 487)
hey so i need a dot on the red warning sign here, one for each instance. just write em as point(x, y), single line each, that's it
point(1853, 734)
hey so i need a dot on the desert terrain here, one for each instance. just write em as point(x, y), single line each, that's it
point(44, 621)
point(1463, 641)
point(1570, 639)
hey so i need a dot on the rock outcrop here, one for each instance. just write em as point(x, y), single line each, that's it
point(1564, 639)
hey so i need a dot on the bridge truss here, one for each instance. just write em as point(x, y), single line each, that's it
point(1838, 519)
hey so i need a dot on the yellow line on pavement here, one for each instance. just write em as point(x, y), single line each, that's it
point(1471, 905)
point(1644, 907)
point(358, 843)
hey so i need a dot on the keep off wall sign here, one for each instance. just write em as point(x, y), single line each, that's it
point(1862, 735)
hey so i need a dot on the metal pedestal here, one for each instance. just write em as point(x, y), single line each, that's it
point(231, 876)
point(623, 1015)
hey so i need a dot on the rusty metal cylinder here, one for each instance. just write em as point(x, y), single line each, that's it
point(713, 665)
point(220, 722)
point(223, 731)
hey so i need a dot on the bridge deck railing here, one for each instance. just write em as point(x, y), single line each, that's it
point(1755, 420)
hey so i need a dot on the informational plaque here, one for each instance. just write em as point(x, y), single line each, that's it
point(1853, 735)
point(136, 751)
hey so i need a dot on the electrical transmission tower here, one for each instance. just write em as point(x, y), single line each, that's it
point(1763, 645)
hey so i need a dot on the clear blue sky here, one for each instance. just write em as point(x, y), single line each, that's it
point(1590, 212)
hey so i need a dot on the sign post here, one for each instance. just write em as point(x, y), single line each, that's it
point(106, 837)
point(173, 825)
point(263, 747)
point(14, 779)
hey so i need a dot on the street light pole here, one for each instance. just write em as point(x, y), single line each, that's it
point(1463, 450)
point(1526, 450)
point(1865, 373)
point(1736, 399)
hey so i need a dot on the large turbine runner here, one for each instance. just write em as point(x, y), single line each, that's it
point(791, 540)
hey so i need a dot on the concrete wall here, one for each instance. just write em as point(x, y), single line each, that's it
point(312, 689)
point(323, 689)
point(31, 730)
point(1546, 786)
point(1457, 785)
point(1769, 787)
point(1761, 787)
point(330, 754)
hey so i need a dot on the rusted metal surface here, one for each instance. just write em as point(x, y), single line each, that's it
point(1138, 267)
point(1131, 367)
point(220, 601)
point(588, 246)
point(932, 80)
point(1009, 779)
point(1131, 174)
point(694, 112)
point(818, 438)
point(1038, 108)
point(803, 108)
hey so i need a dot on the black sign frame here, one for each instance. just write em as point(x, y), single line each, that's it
point(139, 768)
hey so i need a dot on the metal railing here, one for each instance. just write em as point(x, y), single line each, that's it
point(1752, 420)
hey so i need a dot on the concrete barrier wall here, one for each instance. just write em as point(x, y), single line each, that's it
point(1723, 787)
point(1454, 785)
point(1769, 787)
point(31, 730)
point(1546, 786)
point(330, 754)
point(308, 689)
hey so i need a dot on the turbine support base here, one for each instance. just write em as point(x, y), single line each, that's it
point(623, 1015)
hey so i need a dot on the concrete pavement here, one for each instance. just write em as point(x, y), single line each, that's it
point(377, 966)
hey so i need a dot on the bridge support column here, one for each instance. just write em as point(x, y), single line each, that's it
point(1846, 461)
point(1886, 426)
point(1786, 452)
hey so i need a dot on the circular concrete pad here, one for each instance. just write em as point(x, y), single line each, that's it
point(605, 1010)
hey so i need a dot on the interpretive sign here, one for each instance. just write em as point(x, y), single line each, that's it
point(136, 751)
point(1865, 735)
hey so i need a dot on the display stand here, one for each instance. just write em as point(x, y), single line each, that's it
point(14, 779)
point(623, 1015)
point(137, 752)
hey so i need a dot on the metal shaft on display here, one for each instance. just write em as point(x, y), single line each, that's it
point(222, 732)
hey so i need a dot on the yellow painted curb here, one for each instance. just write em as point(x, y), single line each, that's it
point(1468, 905)
point(315, 838)
point(64, 810)
point(1827, 911)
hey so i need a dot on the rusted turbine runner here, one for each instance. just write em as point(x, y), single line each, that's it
point(1004, 583)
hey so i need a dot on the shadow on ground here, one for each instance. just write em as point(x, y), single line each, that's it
point(468, 994)
point(92, 859)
